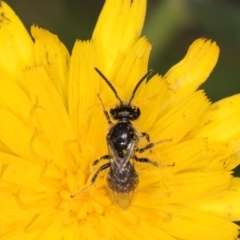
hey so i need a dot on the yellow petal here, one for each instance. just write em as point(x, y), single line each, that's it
point(187, 75)
point(133, 67)
point(16, 46)
point(150, 98)
point(182, 158)
point(187, 223)
point(118, 28)
point(221, 122)
point(83, 86)
point(28, 220)
point(175, 124)
point(48, 50)
point(61, 228)
point(224, 204)
point(17, 141)
point(47, 109)
point(188, 186)
point(134, 227)
point(17, 101)
point(219, 156)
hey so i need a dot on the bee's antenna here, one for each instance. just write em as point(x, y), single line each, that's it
point(139, 83)
point(109, 84)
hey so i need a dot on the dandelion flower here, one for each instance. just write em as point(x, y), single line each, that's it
point(53, 128)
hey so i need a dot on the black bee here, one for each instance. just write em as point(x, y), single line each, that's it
point(122, 141)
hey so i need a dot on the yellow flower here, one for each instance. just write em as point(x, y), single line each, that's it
point(53, 128)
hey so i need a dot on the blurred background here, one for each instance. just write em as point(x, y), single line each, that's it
point(171, 26)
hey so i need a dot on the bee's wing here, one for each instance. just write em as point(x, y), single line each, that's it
point(123, 199)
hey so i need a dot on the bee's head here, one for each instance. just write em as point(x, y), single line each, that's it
point(125, 111)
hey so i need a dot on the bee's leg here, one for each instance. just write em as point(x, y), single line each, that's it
point(146, 135)
point(148, 146)
point(95, 162)
point(145, 160)
point(103, 167)
point(93, 180)
point(105, 111)
point(151, 145)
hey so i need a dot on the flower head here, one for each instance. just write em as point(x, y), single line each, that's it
point(53, 127)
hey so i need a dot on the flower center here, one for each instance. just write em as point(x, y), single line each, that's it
point(82, 200)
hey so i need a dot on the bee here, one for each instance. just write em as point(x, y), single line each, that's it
point(122, 141)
